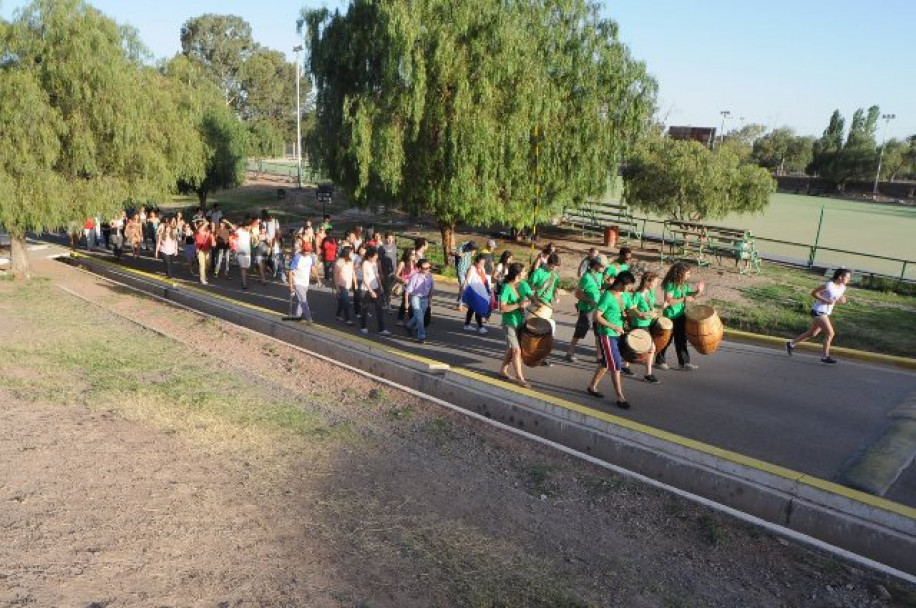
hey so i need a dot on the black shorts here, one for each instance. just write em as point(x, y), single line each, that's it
point(582, 325)
point(816, 314)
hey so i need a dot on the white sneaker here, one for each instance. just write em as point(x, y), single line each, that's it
point(482, 330)
point(384, 332)
point(468, 328)
point(663, 366)
point(364, 330)
point(689, 367)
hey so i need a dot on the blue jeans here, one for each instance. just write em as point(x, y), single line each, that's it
point(418, 307)
point(343, 303)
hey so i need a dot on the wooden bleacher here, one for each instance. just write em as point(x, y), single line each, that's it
point(701, 243)
point(595, 217)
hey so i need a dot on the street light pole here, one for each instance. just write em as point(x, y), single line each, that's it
point(725, 114)
point(298, 49)
point(887, 118)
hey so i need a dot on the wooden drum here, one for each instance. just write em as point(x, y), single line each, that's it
point(536, 341)
point(660, 330)
point(635, 346)
point(704, 328)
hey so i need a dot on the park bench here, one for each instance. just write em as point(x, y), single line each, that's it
point(702, 242)
point(596, 217)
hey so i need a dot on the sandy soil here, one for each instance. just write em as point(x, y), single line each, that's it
point(111, 502)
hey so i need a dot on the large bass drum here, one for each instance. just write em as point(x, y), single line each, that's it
point(635, 346)
point(704, 328)
point(661, 330)
point(536, 341)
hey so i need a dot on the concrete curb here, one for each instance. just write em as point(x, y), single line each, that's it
point(866, 525)
point(861, 355)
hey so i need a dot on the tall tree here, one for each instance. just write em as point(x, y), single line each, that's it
point(827, 148)
point(782, 151)
point(98, 139)
point(221, 44)
point(472, 111)
point(685, 180)
point(217, 139)
point(741, 141)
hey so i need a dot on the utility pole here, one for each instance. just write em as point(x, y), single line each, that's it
point(298, 50)
point(886, 118)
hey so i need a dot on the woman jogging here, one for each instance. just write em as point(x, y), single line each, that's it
point(825, 297)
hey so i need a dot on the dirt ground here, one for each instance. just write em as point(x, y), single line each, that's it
point(151, 457)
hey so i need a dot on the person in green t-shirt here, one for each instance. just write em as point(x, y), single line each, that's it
point(623, 262)
point(544, 281)
point(677, 293)
point(609, 321)
point(643, 314)
point(514, 298)
point(587, 293)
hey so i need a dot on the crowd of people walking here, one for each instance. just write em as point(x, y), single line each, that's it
point(370, 279)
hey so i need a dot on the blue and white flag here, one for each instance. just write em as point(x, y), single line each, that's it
point(477, 292)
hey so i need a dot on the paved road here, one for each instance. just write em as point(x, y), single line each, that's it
point(757, 401)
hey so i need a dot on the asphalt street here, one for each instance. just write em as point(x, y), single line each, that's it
point(754, 400)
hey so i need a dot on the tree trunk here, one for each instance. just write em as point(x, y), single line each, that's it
point(19, 257)
point(202, 198)
point(448, 240)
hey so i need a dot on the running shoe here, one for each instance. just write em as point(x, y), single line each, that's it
point(626, 371)
point(468, 328)
point(789, 347)
point(828, 360)
point(384, 332)
point(689, 367)
point(571, 358)
point(483, 330)
point(662, 365)
point(650, 378)
point(364, 331)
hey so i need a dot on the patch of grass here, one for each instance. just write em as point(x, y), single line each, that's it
point(401, 413)
point(440, 428)
point(875, 321)
point(713, 532)
point(537, 478)
point(103, 361)
point(600, 486)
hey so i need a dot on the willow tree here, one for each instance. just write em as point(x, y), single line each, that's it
point(86, 125)
point(474, 111)
point(684, 180)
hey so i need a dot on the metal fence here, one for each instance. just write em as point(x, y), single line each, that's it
point(809, 254)
point(286, 169)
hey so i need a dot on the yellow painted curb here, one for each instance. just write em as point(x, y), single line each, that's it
point(861, 355)
point(699, 446)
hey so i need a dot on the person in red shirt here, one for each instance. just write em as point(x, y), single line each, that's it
point(204, 241)
point(329, 256)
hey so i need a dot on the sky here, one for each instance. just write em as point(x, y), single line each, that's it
point(776, 63)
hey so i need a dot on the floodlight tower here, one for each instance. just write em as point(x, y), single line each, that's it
point(725, 114)
point(886, 118)
point(298, 49)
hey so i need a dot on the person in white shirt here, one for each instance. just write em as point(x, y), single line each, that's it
point(825, 297)
point(301, 272)
point(372, 290)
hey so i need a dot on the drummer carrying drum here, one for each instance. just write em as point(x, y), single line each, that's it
point(643, 316)
point(515, 297)
point(609, 322)
point(588, 293)
point(544, 282)
point(678, 292)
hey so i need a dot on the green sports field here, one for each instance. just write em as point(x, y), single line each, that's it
point(860, 226)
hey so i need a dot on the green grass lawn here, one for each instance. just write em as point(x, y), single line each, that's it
point(871, 320)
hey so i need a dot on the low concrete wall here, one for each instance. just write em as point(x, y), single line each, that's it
point(859, 523)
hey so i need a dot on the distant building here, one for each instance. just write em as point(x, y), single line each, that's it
point(704, 135)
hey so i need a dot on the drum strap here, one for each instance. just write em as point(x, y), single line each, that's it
point(620, 304)
point(545, 289)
